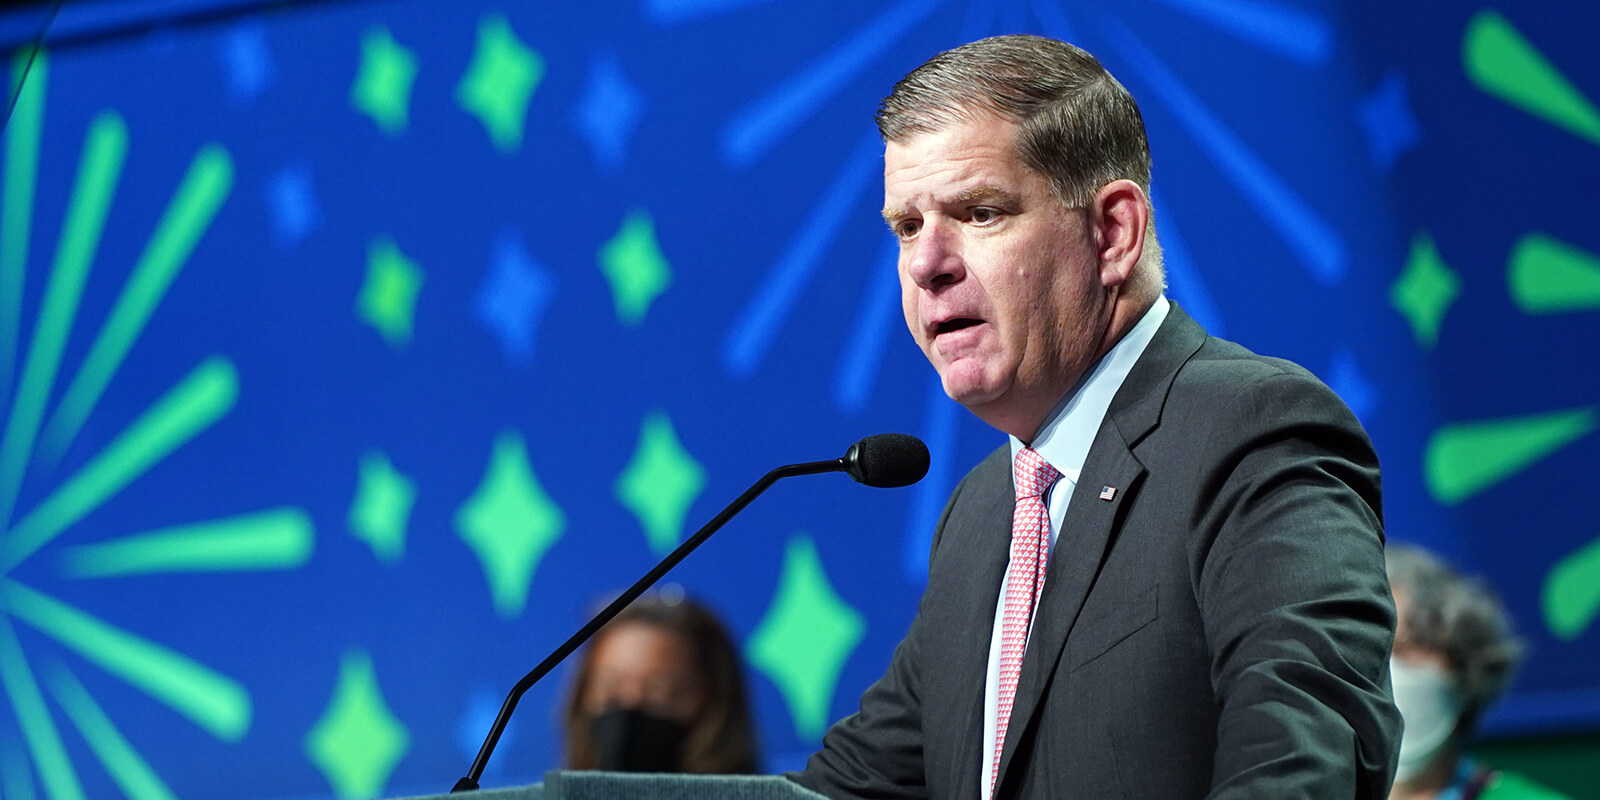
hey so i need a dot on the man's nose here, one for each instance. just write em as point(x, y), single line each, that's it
point(935, 257)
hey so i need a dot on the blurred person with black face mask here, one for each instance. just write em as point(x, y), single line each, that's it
point(661, 689)
point(1454, 653)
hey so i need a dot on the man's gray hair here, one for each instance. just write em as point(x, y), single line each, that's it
point(1459, 617)
point(1077, 126)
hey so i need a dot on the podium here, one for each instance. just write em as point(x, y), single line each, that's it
point(565, 785)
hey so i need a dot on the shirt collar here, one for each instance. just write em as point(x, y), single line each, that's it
point(1068, 432)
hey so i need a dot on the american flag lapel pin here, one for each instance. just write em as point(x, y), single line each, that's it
point(1108, 492)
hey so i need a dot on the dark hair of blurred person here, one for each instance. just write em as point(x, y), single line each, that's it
point(660, 689)
point(1454, 653)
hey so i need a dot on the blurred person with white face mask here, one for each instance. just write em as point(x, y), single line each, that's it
point(1454, 653)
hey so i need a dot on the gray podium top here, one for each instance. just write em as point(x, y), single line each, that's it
point(627, 786)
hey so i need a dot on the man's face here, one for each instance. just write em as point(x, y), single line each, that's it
point(999, 281)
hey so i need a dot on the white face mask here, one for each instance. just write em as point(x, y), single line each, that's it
point(1431, 707)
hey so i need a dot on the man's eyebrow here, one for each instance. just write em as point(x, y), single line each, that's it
point(987, 192)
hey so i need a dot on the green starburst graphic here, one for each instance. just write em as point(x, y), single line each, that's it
point(1425, 290)
point(510, 523)
point(16, 214)
point(660, 483)
point(635, 268)
point(194, 404)
point(105, 147)
point(382, 506)
point(15, 777)
point(38, 728)
point(193, 207)
point(280, 538)
point(357, 741)
point(382, 89)
point(805, 638)
point(37, 434)
point(388, 299)
point(1543, 276)
point(502, 79)
point(127, 768)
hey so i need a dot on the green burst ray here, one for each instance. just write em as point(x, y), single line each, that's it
point(188, 216)
point(1547, 276)
point(1571, 597)
point(281, 538)
point(22, 168)
point(16, 777)
point(98, 174)
point(38, 730)
point(210, 699)
point(1467, 458)
point(200, 399)
point(129, 769)
point(1506, 65)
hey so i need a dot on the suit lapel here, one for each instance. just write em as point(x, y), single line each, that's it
point(1089, 530)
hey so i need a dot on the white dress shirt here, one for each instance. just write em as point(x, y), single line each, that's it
point(1064, 440)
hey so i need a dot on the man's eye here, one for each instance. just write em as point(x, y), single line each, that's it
point(907, 229)
point(983, 216)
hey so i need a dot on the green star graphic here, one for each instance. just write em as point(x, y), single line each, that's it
point(633, 265)
point(382, 507)
point(388, 297)
point(357, 742)
point(510, 523)
point(383, 87)
point(1425, 290)
point(807, 635)
point(501, 80)
point(660, 482)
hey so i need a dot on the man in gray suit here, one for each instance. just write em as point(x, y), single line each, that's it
point(1171, 582)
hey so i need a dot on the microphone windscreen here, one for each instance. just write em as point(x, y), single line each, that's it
point(887, 460)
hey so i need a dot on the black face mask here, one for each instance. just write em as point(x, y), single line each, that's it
point(631, 740)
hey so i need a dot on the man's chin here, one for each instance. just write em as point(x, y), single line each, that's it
point(971, 393)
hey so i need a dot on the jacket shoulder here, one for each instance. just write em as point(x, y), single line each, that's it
point(1224, 381)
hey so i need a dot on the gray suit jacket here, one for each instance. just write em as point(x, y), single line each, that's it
point(1220, 627)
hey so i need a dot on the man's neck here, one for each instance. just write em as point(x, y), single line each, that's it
point(1025, 419)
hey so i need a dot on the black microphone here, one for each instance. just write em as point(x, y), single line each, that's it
point(886, 460)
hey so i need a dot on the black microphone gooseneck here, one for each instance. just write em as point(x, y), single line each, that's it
point(885, 460)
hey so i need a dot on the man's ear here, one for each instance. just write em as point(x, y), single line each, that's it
point(1119, 215)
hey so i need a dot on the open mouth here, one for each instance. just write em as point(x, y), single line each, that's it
point(950, 326)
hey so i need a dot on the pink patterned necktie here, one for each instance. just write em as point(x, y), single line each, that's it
point(1030, 555)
